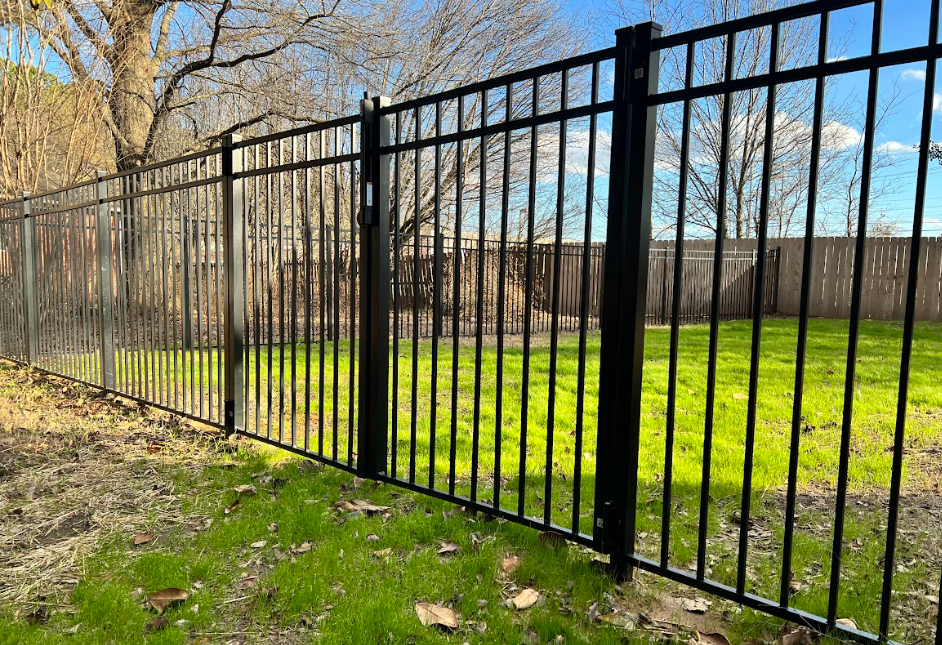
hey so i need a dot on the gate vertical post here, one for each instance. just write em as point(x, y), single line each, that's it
point(234, 223)
point(373, 219)
point(30, 286)
point(105, 284)
point(626, 282)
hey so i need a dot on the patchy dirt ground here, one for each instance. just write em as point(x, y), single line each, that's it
point(78, 467)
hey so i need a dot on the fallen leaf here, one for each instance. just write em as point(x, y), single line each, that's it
point(739, 396)
point(382, 553)
point(156, 624)
point(304, 547)
point(258, 545)
point(143, 538)
point(526, 599)
point(245, 489)
point(361, 506)
point(233, 506)
point(448, 548)
point(933, 600)
point(849, 623)
point(620, 619)
point(160, 600)
point(696, 606)
point(308, 466)
point(434, 616)
point(712, 638)
point(372, 537)
point(798, 637)
point(510, 564)
point(248, 583)
point(39, 616)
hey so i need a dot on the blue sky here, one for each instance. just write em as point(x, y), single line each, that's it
point(905, 24)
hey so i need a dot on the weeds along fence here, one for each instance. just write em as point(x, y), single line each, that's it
point(257, 287)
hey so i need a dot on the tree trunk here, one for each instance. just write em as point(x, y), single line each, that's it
point(132, 101)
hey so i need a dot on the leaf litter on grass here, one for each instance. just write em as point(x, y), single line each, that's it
point(79, 470)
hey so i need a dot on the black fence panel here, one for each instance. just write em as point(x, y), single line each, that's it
point(485, 311)
point(451, 295)
point(13, 332)
point(300, 193)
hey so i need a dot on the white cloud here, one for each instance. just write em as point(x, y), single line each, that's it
point(838, 136)
point(937, 103)
point(577, 152)
point(896, 148)
point(913, 75)
point(836, 59)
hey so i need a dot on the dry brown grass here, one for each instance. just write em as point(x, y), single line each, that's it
point(79, 468)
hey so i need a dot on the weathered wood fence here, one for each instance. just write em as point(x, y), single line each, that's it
point(884, 279)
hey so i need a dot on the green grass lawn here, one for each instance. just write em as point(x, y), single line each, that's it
point(875, 397)
point(869, 474)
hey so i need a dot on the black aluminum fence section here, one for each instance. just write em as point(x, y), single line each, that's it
point(476, 421)
point(164, 226)
point(13, 333)
point(300, 197)
point(227, 286)
point(66, 284)
point(414, 285)
point(766, 82)
point(737, 292)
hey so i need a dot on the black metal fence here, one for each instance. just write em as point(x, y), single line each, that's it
point(257, 287)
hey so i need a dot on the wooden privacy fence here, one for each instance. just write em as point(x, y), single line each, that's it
point(885, 275)
point(737, 287)
point(579, 269)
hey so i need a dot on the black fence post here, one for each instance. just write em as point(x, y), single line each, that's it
point(374, 290)
point(623, 309)
point(30, 286)
point(105, 283)
point(233, 222)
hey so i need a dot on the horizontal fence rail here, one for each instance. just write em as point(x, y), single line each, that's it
point(452, 294)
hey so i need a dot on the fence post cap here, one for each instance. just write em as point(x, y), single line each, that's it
point(231, 139)
point(100, 174)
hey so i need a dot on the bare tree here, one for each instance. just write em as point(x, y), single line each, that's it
point(840, 161)
point(48, 136)
point(153, 59)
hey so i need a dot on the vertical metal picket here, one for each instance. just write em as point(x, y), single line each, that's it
point(623, 304)
point(233, 226)
point(373, 219)
point(105, 284)
point(30, 293)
